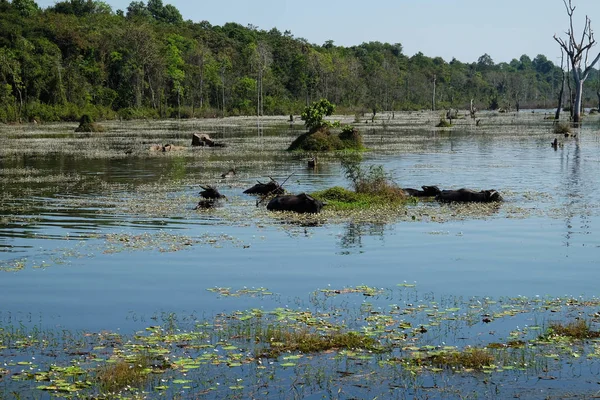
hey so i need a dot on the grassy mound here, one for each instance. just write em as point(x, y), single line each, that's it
point(338, 198)
point(324, 140)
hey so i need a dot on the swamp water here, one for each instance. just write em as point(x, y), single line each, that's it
point(103, 257)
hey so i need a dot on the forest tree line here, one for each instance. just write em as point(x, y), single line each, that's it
point(80, 56)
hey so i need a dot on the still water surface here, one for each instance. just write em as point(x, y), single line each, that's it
point(544, 240)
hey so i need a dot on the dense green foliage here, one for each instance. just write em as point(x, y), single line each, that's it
point(80, 56)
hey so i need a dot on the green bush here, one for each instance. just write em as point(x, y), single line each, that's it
point(444, 123)
point(313, 115)
point(562, 128)
point(372, 180)
point(87, 124)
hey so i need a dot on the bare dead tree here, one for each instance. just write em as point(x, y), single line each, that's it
point(598, 89)
point(578, 52)
point(263, 58)
point(433, 96)
point(562, 85)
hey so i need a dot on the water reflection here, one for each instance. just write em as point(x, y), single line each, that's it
point(551, 204)
point(576, 191)
point(353, 237)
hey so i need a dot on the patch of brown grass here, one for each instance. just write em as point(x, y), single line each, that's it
point(114, 377)
point(579, 329)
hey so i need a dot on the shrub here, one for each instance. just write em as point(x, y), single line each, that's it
point(562, 128)
point(372, 180)
point(313, 115)
point(443, 123)
point(87, 124)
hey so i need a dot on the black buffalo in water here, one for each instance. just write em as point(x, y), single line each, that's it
point(428, 191)
point(468, 195)
point(301, 203)
point(265, 188)
point(210, 192)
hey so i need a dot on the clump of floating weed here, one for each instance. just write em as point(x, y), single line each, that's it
point(562, 128)
point(285, 340)
point(471, 358)
point(579, 329)
point(114, 377)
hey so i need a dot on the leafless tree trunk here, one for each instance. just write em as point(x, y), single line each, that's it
point(433, 97)
point(223, 88)
point(263, 60)
point(578, 51)
point(562, 86)
point(598, 90)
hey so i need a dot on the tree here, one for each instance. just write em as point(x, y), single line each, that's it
point(578, 52)
point(10, 72)
point(176, 65)
point(313, 115)
point(598, 89)
point(26, 7)
point(137, 9)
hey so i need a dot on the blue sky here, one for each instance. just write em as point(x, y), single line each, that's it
point(464, 29)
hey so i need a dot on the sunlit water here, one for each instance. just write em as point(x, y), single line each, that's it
point(551, 248)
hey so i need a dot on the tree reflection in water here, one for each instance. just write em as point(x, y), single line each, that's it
point(352, 238)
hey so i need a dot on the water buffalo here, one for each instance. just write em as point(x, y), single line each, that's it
point(207, 203)
point(265, 188)
point(468, 195)
point(229, 174)
point(428, 191)
point(202, 139)
point(301, 203)
point(210, 192)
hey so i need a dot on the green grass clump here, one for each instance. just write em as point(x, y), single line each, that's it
point(339, 199)
point(281, 340)
point(471, 358)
